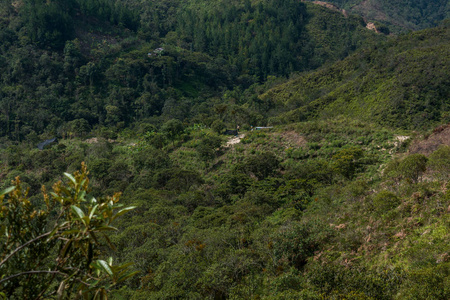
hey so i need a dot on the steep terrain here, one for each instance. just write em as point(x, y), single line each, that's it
point(97, 69)
point(346, 196)
point(400, 84)
point(399, 15)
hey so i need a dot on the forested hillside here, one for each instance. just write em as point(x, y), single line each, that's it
point(117, 177)
point(88, 74)
point(399, 15)
point(401, 84)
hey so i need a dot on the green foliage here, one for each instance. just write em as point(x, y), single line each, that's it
point(439, 161)
point(339, 281)
point(233, 183)
point(291, 212)
point(115, 12)
point(294, 243)
point(49, 23)
point(347, 161)
point(178, 179)
point(57, 248)
point(268, 37)
point(399, 15)
point(218, 126)
point(255, 222)
point(428, 283)
point(413, 166)
point(260, 165)
point(172, 129)
point(374, 85)
point(208, 146)
point(384, 201)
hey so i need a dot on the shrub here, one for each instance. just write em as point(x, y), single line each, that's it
point(206, 149)
point(172, 129)
point(429, 283)
point(261, 165)
point(294, 243)
point(439, 161)
point(347, 161)
point(413, 166)
point(218, 126)
point(385, 201)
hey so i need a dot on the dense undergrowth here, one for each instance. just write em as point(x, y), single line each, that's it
point(401, 84)
point(95, 74)
point(312, 210)
point(333, 202)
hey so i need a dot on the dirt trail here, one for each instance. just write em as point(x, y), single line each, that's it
point(234, 140)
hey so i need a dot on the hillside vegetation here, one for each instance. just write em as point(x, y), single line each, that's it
point(346, 196)
point(89, 74)
point(401, 84)
point(318, 209)
point(399, 15)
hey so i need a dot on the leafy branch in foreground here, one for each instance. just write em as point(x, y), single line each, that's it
point(53, 249)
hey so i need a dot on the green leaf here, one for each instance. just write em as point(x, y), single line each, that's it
point(52, 233)
point(96, 266)
point(109, 242)
point(91, 214)
point(106, 228)
point(7, 190)
point(126, 276)
point(105, 267)
point(122, 267)
point(82, 195)
point(78, 211)
point(65, 248)
point(91, 199)
point(70, 177)
point(86, 220)
point(93, 237)
point(73, 231)
point(122, 211)
point(2, 230)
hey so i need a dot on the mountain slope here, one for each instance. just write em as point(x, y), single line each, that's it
point(403, 83)
point(401, 15)
point(98, 72)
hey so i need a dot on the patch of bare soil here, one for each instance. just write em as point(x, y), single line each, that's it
point(293, 139)
point(95, 140)
point(440, 136)
point(91, 36)
point(234, 140)
point(371, 26)
point(329, 6)
point(17, 4)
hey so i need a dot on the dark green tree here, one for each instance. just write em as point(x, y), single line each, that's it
point(260, 165)
point(172, 129)
point(347, 161)
point(413, 166)
point(49, 23)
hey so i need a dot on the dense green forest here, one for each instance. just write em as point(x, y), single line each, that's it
point(401, 84)
point(108, 77)
point(143, 196)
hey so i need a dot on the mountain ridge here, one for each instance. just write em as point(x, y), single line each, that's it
point(377, 77)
